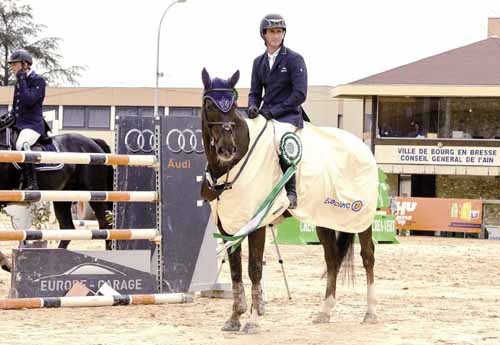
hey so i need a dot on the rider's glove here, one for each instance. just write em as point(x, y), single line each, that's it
point(253, 112)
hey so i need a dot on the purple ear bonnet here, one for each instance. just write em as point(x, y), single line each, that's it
point(222, 93)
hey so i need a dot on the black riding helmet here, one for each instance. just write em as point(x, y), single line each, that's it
point(272, 21)
point(21, 55)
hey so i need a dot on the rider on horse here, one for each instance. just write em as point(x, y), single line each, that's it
point(282, 74)
point(27, 106)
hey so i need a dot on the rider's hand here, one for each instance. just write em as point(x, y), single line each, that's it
point(21, 75)
point(267, 114)
point(253, 112)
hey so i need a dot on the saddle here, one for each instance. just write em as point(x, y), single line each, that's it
point(8, 137)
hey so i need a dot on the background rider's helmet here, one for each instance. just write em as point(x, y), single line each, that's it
point(272, 21)
point(21, 55)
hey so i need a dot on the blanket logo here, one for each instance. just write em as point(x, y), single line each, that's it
point(354, 206)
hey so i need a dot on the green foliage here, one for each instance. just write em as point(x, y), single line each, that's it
point(40, 211)
point(18, 30)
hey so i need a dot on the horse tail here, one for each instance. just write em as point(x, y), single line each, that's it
point(345, 247)
point(109, 171)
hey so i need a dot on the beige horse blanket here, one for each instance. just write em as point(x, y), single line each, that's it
point(337, 181)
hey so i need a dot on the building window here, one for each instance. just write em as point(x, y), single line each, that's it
point(138, 111)
point(51, 114)
point(447, 117)
point(184, 111)
point(50, 109)
point(86, 117)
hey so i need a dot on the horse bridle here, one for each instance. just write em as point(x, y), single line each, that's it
point(227, 126)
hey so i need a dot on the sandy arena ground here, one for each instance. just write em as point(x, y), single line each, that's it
point(430, 291)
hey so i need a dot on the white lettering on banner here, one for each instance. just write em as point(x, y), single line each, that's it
point(52, 285)
point(432, 155)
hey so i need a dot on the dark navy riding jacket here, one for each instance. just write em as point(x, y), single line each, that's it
point(285, 86)
point(28, 101)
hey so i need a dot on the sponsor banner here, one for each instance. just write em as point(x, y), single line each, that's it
point(52, 272)
point(189, 250)
point(434, 155)
point(459, 215)
point(135, 135)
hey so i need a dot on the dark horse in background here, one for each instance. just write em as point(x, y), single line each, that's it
point(70, 177)
point(226, 141)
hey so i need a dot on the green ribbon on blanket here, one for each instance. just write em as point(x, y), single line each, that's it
point(234, 241)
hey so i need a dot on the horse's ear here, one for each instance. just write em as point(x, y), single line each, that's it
point(234, 79)
point(205, 77)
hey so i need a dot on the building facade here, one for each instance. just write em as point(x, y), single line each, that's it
point(93, 111)
point(434, 125)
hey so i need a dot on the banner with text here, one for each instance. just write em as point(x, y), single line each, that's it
point(434, 155)
point(459, 215)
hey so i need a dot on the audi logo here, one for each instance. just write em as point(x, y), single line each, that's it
point(140, 140)
point(187, 141)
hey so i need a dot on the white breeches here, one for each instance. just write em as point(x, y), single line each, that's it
point(28, 136)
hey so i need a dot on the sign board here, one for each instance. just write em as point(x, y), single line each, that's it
point(384, 228)
point(135, 135)
point(459, 215)
point(434, 155)
point(188, 248)
point(52, 272)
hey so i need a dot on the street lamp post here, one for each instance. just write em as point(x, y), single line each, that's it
point(158, 74)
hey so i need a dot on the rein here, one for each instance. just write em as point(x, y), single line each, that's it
point(228, 185)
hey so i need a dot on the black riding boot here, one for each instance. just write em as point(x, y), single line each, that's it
point(29, 175)
point(290, 186)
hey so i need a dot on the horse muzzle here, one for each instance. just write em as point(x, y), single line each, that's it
point(225, 153)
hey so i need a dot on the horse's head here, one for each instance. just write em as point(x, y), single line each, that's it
point(225, 134)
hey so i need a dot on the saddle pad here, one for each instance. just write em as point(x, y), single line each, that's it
point(337, 181)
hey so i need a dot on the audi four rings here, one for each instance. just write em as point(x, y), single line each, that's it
point(186, 141)
point(140, 140)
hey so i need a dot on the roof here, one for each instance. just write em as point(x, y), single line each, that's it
point(475, 64)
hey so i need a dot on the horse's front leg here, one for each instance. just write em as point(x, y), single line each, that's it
point(256, 243)
point(239, 302)
point(368, 255)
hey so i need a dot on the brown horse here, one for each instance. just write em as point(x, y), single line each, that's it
point(226, 138)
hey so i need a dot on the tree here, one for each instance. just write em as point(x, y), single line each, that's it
point(19, 31)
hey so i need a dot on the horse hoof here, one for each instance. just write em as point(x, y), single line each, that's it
point(370, 318)
point(231, 326)
point(251, 328)
point(321, 318)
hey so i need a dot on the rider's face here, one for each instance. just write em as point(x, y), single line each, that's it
point(274, 38)
point(15, 66)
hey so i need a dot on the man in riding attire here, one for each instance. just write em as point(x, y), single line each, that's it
point(282, 74)
point(29, 93)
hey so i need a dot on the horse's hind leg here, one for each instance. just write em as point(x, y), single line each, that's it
point(65, 219)
point(368, 255)
point(256, 243)
point(100, 210)
point(328, 241)
point(239, 303)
